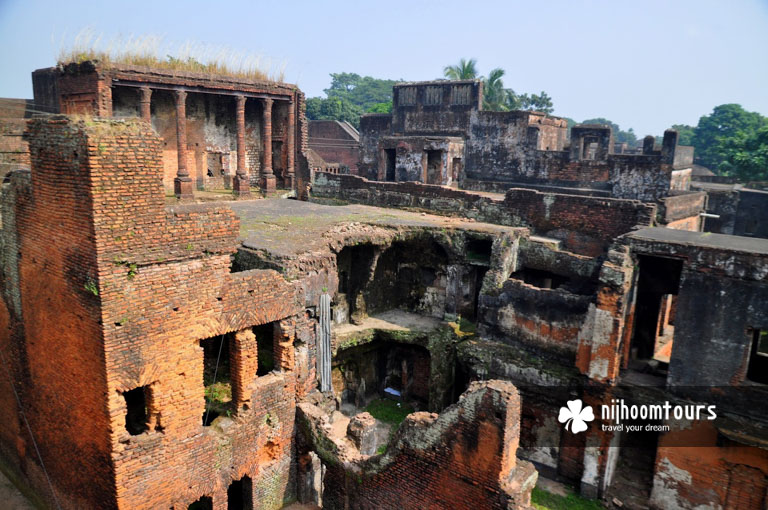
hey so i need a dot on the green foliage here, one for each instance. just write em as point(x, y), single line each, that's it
point(388, 411)
point(219, 392)
point(685, 133)
point(466, 69)
point(619, 135)
point(543, 500)
point(747, 156)
point(535, 102)
point(732, 141)
point(495, 96)
point(91, 286)
point(350, 96)
point(381, 108)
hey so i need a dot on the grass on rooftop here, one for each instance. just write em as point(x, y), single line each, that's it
point(148, 51)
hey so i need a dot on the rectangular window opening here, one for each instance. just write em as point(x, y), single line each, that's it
point(757, 370)
point(391, 163)
point(265, 339)
point(137, 415)
point(217, 378)
point(240, 494)
point(204, 503)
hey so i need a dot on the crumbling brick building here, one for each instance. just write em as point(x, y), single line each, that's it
point(438, 133)
point(219, 132)
point(167, 354)
point(335, 144)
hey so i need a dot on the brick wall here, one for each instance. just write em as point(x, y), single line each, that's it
point(585, 225)
point(335, 143)
point(462, 458)
point(730, 475)
point(143, 284)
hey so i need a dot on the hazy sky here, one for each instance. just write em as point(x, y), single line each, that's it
point(643, 64)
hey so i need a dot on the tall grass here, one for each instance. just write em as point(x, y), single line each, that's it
point(153, 51)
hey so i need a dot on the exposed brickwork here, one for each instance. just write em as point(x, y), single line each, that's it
point(462, 458)
point(586, 225)
point(209, 127)
point(335, 142)
point(517, 147)
point(145, 284)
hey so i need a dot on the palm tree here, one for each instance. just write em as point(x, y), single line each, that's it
point(493, 89)
point(465, 70)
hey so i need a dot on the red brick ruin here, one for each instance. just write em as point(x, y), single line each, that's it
point(404, 334)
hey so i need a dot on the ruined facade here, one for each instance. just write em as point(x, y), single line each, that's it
point(219, 132)
point(166, 354)
point(438, 133)
point(336, 146)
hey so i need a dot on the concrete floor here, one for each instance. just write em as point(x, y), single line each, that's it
point(292, 227)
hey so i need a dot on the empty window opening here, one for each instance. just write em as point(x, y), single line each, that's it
point(658, 281)
point(390, 156)
point(240, 494)
point(137, 415)
point(204, 503)
point(631, 466)
point(750, 228)
point(215, 164)
point(548, 280)
point(265, 339)
point(434, 167)
point(456, 169)
point(589, 147)
point(354, 265)
point(539, 278)
point(479, 250)
point(216, 378)
point(757, 370)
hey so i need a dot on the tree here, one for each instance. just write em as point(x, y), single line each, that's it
point(333, 108)
point(619, 135)
point(349, 96)
point(537, 102)
point(718, 134)
point(381, 108)
point(747, 158)
point(465, 70)
point(494, 94)
point(684, 133)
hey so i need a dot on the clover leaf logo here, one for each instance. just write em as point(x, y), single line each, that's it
point(576, 415)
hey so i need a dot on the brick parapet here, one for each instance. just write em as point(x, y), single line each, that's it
point(586, 225)
point(146, 283)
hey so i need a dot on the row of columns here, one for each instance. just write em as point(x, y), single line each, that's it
point(183, 185)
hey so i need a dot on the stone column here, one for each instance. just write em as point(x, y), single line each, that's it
point(267, 176)
point(290, 176)
point(240, 185)
point(146, 96)
point(182, 184)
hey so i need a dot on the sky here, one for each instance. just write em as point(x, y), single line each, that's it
point(642, 64)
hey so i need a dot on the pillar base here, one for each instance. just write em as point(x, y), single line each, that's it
point(290, 181)
point(182, 188)
point(268, 183)
point(240, 186)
